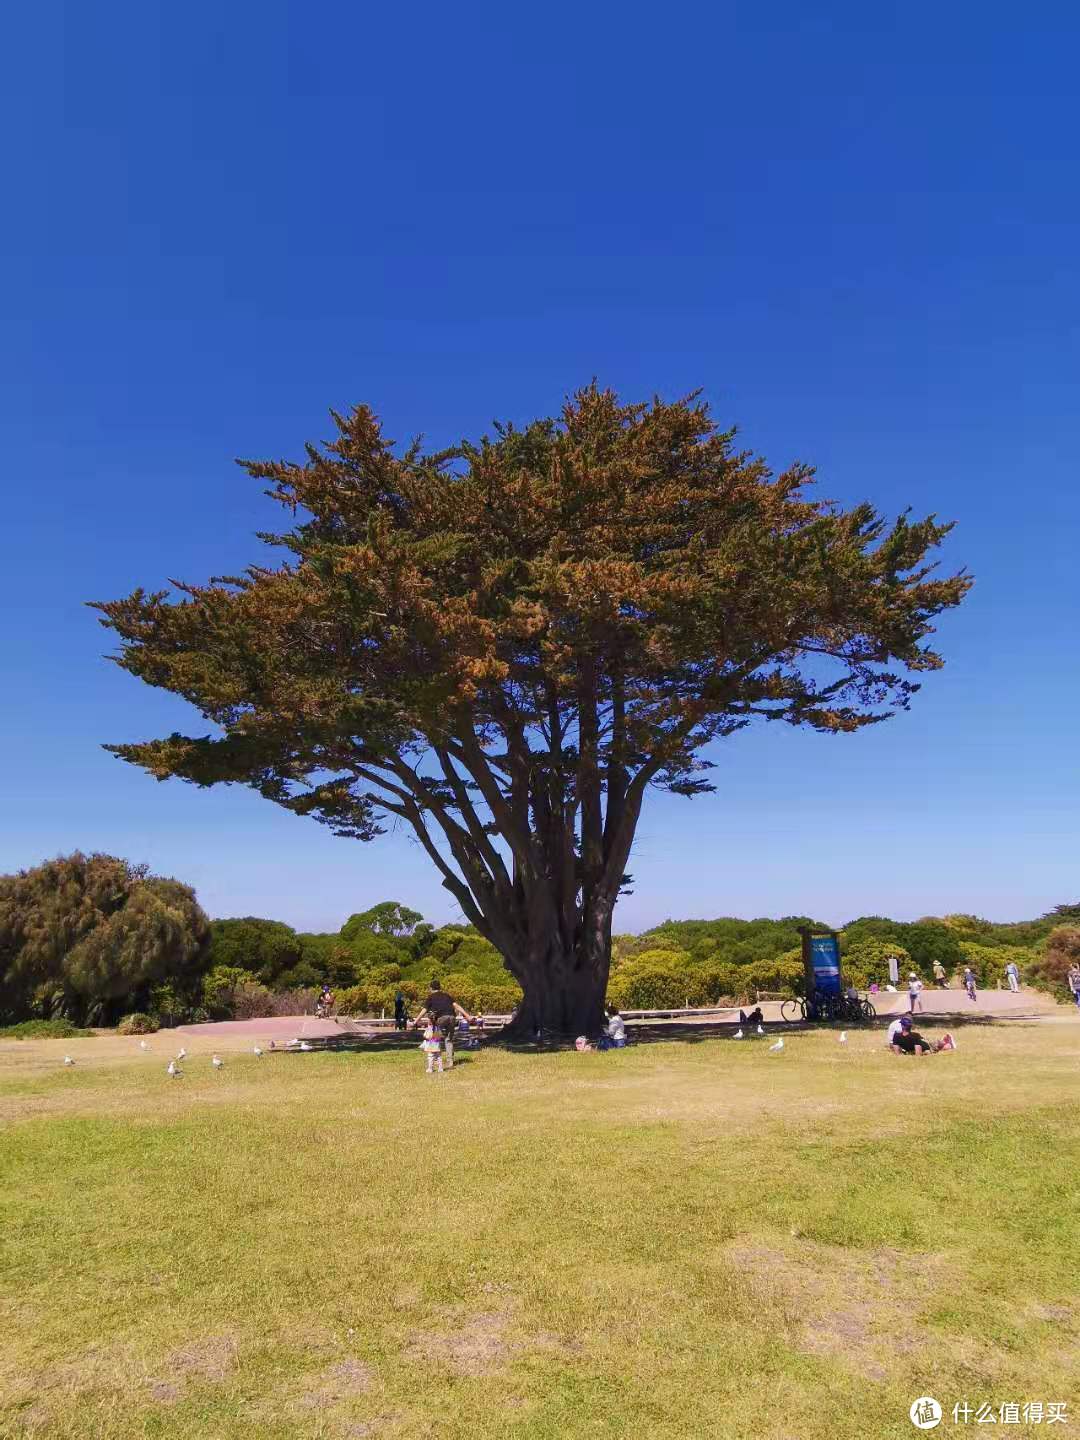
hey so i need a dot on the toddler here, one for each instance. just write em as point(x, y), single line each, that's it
point(432, 1047)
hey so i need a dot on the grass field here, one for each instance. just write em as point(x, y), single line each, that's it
point(682, 1239)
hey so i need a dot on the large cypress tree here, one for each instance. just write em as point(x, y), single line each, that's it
point(506, 644)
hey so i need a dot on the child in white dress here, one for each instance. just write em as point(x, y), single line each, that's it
point(432, 1046)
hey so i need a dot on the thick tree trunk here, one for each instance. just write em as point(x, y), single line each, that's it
point(565, 986)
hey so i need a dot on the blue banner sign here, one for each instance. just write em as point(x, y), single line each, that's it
point(825, 959)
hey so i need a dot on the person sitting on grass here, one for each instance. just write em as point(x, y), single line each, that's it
point(908, 1041)
point(615, 1034)
point(754, 1018)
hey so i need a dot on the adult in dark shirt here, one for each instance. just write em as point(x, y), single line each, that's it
point(442, 1011)
point(401, 1015)
point(908, 1041)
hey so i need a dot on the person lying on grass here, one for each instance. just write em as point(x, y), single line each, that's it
point(908, 1041)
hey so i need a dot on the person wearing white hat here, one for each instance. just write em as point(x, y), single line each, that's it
point(914, 988)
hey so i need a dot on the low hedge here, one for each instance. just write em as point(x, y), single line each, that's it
point(42, 1030)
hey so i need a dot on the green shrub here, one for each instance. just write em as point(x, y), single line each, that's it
point(783, 976)
point(251, 1001)
point(480, 996)
point(383, 975)
point(989, 961)
point(1048, 970)
point(42, 1030)
point(167, 1007)
point(300, 977)
point(656, 980)
point(217, 988)
point(721, 984)
point(352, 1001)
point(868, 960)
point(137, 1024)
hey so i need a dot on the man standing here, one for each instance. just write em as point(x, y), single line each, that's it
point(443, 1013)
point(1073, 978)
point(401, 1015)
point(940, 979)
point(1012, 972)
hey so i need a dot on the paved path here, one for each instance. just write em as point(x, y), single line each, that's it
point(279, 1028)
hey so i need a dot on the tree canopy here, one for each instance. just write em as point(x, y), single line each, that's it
point(505, 644)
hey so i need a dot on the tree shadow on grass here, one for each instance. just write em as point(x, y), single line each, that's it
point(683, 1033)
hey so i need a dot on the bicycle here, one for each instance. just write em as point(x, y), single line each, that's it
point(853, 1009)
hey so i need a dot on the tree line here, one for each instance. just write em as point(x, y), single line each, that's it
point(93, 938)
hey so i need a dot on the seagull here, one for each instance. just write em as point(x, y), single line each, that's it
point(143, 1045)
point(304, 1045)
point(172, 1069)
point(760, 1030)
point(217, 1062)
point(68, 1060)
point(778, 1046)
point(292, 1042)
point(257, 1053)
point(183, 1054)
point(843, 1037)
point(738, 1034)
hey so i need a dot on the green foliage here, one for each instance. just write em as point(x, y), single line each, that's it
point(168, 1007)
point(924, 941)
point(989, 961)
point(868, 960)
point(301, 977)
point(137, 1024)
point(1062, 950)
point(250, 1000)
point(42, 1030)
point(656, 980)
point(264, 948)
point(217, 988)
point(480, 996)
point(389, 917)
point(726, 941)
point(94, 934)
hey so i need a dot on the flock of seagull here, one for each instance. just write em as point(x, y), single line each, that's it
point(775, 1049)
point(173, 1070)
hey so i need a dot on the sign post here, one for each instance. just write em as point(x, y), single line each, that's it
point(821, 964)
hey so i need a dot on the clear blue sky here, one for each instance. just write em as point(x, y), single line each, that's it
point(855, 226)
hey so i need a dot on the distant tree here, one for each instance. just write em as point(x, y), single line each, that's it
point(924, 941)
point(505, 645)
point(389, 917)
point(95, 934)
point(1065, 912)
point(264, 948)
